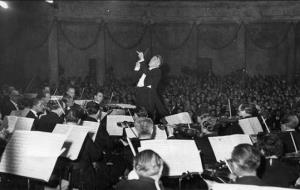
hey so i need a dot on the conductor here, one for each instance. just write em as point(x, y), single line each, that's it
point(146, 89)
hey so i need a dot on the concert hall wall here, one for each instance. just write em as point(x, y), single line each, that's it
point(42, 40)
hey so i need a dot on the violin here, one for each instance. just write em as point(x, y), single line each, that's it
point(218, 172)
point(184, 130)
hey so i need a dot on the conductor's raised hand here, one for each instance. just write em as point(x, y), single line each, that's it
point(140, 55)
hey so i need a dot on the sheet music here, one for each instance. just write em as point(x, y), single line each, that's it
point(24, 123)
point(75, 138)
point(160, 133)
point(9, 123)
point(179, 155)
point(56, 97)
point(13, 123)
point(180, 118)
point(32, 154)
point(222, 186)
point(112, 127)
point(124, 106)
point(131, 133)
point(251, 126)
point(92, 127)
point(223, 145)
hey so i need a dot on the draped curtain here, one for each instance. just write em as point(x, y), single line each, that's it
point(121, 39)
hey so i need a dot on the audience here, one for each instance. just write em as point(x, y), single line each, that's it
point(207, 99)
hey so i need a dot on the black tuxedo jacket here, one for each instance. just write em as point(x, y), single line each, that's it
point(30, 114)
point(140, 184)
point(47, 122)
point(152, 76)
point(7, 107)
point(250, 180)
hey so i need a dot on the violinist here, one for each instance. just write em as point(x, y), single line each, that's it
point(245, 110)
point(98, 98)
point(47, 122)
point(274, 170)
point(208, 128)
point(71, 105)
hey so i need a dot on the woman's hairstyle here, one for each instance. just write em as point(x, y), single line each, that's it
point(144, 126)
point(270, 144)
point(246, 156)
point(147, 163)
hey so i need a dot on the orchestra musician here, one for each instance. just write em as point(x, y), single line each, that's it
point(10, 104)
point(245, 110)
point(274, 170)
point(244, 162)
point(47, 122)
point(148, 167)
point(146, 89)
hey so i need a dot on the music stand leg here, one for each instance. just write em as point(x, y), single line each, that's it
point(28, 184)
point(180, 182)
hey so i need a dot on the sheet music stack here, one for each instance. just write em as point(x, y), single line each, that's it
point(250, 126)
point(223, 145)
point(75, 139)
point(12, 123)
point(112, 126)
point(32, 154)
point(179, 155)
point(180, 118)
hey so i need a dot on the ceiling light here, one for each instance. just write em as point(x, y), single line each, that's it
point(3, 4)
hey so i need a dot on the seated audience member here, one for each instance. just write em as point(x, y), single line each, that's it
point(273, 170)
point(47, 122)
point(245, 160)
point(148, 166)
